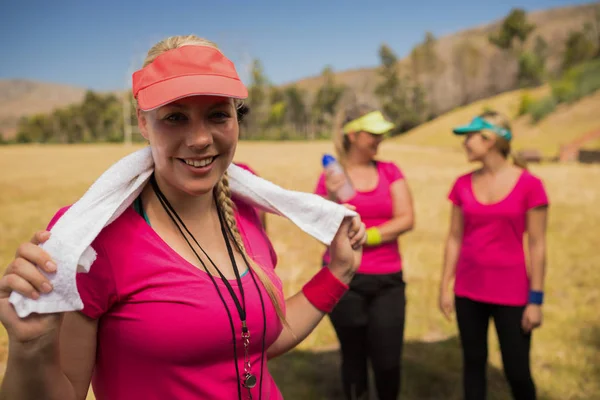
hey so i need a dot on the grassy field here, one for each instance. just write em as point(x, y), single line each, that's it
point(36, 180)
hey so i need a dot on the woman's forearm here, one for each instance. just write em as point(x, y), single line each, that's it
point(34, 373)
point(391, 230)
point(537, 257)
point(451, 253)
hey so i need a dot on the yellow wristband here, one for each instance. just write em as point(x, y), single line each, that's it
point(373, 237)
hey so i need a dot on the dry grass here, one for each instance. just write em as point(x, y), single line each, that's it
point(566, 124)
point(566, 363)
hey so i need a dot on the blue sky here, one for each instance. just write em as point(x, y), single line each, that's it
point(94, 44)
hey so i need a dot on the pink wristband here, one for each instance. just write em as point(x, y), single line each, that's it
point(324, 290)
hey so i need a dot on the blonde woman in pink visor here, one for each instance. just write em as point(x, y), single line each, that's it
point(182, 301)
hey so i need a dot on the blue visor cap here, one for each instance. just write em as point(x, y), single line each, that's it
point(480, 124)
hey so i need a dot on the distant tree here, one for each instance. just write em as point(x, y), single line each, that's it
point(277, 111)
point(391, 90)
point(257, 98)
point(510, 38)
point(90, 112)
point(102, 117)
point(36, 128)
point(594, 27)
point(424, 57)
point(326, 99)
point(258, 83)
point(75, 124)
point(416, 64)
point(540, 49)
point(532, 64)
point(514, 26)
point(23, 132)
point(276, 95)
point(426, 65)
point(531, 69)
point(467, 62)
point(97, 118)
point(296, 109)
point(578, 48)
point(112, 120)
point(277, 108)
point(419, 106)
point(597, 26)
point(498, 62)
point(62, 123)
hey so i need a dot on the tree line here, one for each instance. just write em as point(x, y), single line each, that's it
point(403, 90)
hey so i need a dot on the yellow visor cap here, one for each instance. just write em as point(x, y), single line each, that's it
point(373, 122)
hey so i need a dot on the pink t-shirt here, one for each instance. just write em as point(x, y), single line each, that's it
point(375, 207)
point(491, 266)
point(163, 331)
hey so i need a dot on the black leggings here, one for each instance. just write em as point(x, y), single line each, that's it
point(473, 319)
point(369, 323)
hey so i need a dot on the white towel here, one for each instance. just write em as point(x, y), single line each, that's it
point(114, 191)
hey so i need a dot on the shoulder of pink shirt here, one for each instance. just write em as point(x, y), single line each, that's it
point(391, 169)
point(531, 177)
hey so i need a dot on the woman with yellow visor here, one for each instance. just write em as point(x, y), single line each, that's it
point(492, 208)
point(369, 319)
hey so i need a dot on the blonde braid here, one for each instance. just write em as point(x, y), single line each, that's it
point(223, 196)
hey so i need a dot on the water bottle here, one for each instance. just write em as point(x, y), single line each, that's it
point(331, 166)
